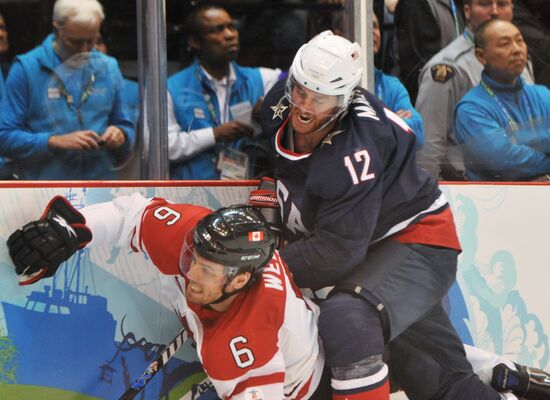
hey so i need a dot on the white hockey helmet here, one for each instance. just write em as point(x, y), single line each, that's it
point(328, 64)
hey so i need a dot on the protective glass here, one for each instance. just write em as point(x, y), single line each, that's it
point(312, 102)
point(200, 270)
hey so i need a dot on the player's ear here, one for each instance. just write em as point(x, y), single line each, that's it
point(240, 280)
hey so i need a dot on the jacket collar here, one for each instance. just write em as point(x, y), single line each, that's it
point(503, 87)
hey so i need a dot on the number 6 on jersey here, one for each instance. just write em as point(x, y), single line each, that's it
point(243, 356)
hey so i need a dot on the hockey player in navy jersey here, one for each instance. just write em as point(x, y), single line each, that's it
point(359, 215)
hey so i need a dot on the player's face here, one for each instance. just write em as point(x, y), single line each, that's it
point(310, 110)
point(479, 11)
point(206, 280)
point(505, 52)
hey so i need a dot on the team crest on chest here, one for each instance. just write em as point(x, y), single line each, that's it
point(278, 109)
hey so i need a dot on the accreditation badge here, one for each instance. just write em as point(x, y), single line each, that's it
point(233, 164)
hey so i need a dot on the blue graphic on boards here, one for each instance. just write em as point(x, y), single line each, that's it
point(488, 310)
point(64, 336)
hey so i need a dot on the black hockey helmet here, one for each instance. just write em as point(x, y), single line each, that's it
point(238, 237)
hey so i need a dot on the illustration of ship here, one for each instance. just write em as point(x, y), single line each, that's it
point(64, 337)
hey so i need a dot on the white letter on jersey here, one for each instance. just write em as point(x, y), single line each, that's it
point(365, 176)
point(243, 357)
point(294, 222)
point(272, 281)
point(165, 212)
point(364, 109)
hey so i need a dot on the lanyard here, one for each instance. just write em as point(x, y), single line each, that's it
point(69, 98)
point(514, 125)
point(208, 100)
point(455, 17)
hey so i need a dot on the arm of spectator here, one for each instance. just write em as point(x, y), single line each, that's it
point(121, 136)
point(183, 145)
point(269, 77)
point(489, 147)
point(112, 138)
point(403, 107)
point(15, 141)
point(78, 140)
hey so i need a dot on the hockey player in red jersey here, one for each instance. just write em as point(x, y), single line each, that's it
point(358, 215)
point(255, 333)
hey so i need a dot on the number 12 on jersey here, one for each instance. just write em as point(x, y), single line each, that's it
point(361, 158)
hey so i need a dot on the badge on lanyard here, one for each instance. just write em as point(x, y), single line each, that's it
point(199, 113)
point(233, 164)
point(53, 93)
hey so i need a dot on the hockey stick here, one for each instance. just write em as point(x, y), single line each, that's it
point(155, 366)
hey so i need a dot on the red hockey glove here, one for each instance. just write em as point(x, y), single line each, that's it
point(265, 199)
point(39, 247)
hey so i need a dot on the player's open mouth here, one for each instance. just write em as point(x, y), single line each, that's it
point(304, 118)
point(193, 288)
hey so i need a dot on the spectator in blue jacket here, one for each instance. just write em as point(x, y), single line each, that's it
point(391, 91)
point(503, 122)
point(5, 165)
point(212, 102)
point(62, 116)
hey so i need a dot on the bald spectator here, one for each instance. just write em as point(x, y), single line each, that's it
point(444, 80)
point(62, 116)
point(503, 122)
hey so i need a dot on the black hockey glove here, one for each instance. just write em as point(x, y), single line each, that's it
point(39, 247)
point(265, 199)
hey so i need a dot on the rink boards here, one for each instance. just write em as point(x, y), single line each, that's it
point(99, 323)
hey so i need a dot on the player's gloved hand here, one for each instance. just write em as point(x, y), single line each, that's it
point(39, 247)
point(265, 198)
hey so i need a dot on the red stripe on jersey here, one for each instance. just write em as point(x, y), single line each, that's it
point(303, 391)
point(380, 393)
point(254, 381)
point(283, 151)
point(434, 229)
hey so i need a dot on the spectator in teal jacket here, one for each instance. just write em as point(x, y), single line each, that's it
point(63, 116)
point(212, 102)
point(503, 123)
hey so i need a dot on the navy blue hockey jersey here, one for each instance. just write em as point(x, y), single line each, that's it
point(358, 186)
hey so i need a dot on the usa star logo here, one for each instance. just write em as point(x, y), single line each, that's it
point(278, 109)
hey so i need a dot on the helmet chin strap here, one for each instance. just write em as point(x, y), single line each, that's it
point(226, 295)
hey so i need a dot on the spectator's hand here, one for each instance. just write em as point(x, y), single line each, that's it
point(405, 114)
point(112, 138)
point(232, 130)
point(256, 109)
point(78, 140)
